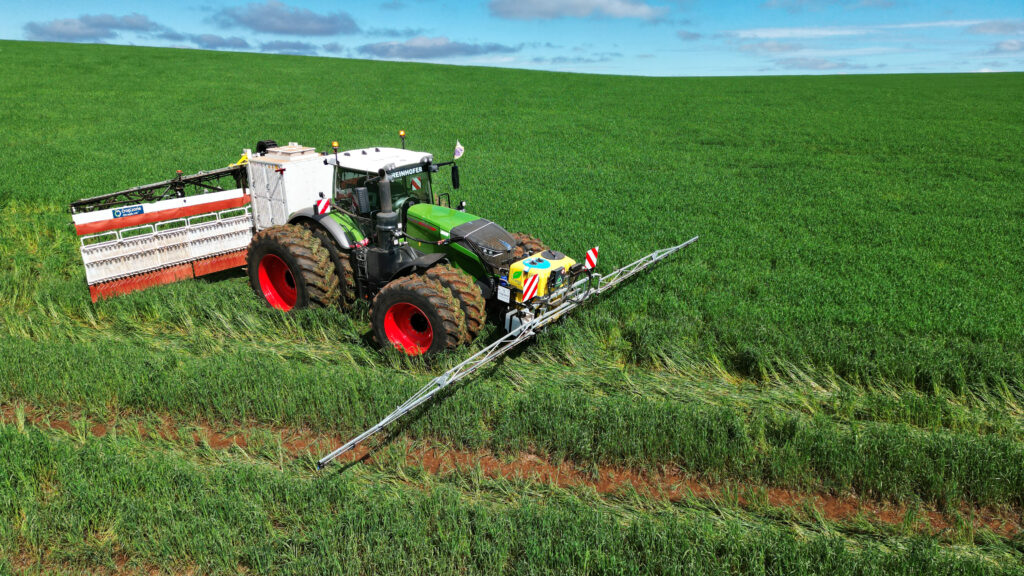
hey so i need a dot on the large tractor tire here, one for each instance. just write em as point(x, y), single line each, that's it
point(466, 291)
point(417, 315)
point(527, 245)
point(342, 266)
point(289, 269)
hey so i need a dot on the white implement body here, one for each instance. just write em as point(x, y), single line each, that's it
point(286, 180)
point(115, 254)
point(130, 247)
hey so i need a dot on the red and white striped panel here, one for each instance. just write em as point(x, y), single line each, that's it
point(591, 262)
point(323, 206)
point(160, 211)
point(530, 287)
point(416, 184)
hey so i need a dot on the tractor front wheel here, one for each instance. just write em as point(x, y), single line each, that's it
point(527, 245)
point(465, 290)
point(289, 268)
point(418, 316)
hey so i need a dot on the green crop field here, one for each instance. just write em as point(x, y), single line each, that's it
point(831, 381)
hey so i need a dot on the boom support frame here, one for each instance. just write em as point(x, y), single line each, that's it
point(176, 187)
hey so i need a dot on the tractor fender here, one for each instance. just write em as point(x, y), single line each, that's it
point(326, 222)
point(422, 263)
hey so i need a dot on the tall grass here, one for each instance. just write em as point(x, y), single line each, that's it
point(87, 504)
point(850, 320)
point(867, 224)
point(757, 442)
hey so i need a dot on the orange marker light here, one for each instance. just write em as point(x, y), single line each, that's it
point(334, 144)
point(401, 133)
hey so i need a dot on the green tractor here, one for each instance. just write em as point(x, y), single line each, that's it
point(323, 230)
point(383, 235)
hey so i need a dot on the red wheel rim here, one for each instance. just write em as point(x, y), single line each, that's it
point(408, 328)
point(277, 282)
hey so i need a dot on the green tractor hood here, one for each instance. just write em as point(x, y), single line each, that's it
point(478, 246)
point(434, 218)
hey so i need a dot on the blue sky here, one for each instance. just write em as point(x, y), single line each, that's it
point(643, 37)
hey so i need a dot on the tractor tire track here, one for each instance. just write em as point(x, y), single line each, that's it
point(666, 482)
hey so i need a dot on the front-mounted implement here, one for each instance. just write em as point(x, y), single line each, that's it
point(329, 229)
point(529, 320)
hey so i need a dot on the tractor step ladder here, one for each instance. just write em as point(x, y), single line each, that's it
point(558, 305)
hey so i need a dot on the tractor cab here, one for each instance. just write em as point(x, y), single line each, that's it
point(357, 173)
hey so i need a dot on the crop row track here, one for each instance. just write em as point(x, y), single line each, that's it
point(663, 482)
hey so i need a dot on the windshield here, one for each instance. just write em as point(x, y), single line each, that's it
point(411, 186)
point(415, 186)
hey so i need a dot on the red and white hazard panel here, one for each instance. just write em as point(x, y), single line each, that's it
point(530, 287)
point(323, 206)
point(416, 184)
point(591, 262)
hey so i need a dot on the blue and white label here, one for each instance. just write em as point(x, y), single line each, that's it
point(127, 211)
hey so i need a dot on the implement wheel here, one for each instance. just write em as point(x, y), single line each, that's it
point(418, 316)
point(465, 290)
point(342, 266)
point(289, 268)
point(527, 245)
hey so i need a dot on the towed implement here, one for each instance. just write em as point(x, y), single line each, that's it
point(329, 229)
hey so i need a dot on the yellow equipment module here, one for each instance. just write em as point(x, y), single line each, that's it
point(551, 266)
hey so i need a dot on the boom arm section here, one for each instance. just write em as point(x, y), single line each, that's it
point(176, 187)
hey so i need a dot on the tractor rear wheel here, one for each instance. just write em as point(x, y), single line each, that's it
point(342, 265)
point(417, 315)
point(527, 245)
point(289, 268)
point(466, 291)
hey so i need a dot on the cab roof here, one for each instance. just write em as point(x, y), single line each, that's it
point(370, 160)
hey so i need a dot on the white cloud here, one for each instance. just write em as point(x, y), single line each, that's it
point(396, 32)
point(810, 32)
point(939, 24)
point(815, 64)
point(687, 35)
point(550, 9)
point(213, 41)
point(563, 60)
point(800, 5)
point(1008, 47)
point(998, 27)
point(89, 28)
point(288, 47)
point(770, 46)
point(424, 48)
point(277, 18)
point(787, 33)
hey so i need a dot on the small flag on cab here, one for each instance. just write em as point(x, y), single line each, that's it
point(459, 150)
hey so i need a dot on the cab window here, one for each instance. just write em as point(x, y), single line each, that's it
point(345, 184)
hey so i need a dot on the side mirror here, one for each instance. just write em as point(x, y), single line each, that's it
point(455, 176)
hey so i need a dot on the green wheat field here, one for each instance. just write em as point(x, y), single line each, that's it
point(849, 330)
